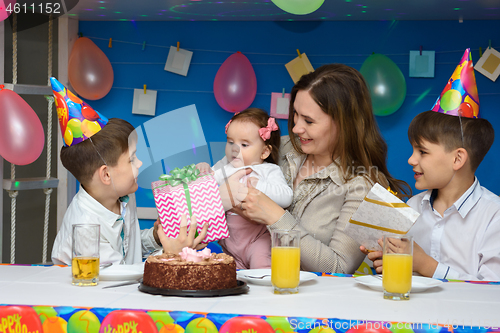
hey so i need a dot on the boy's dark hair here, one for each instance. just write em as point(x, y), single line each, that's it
point(83, 159)
point(260, 117)
point(443, 129)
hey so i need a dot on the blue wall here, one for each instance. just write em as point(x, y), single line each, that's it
point(268, 46)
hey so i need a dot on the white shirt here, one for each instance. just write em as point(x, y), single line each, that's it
point(271, 180)
point(84, 209)
point(466, 240)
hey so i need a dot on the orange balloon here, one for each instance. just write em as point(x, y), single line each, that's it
point(90, 72)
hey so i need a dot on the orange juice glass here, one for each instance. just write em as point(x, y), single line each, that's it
point(285, 261)
point(397, 267)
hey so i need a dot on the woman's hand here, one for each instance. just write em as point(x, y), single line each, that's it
point(185, 239)
point(232, 189)
point(257, 206)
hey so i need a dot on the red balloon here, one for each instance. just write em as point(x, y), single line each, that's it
point(19, 319)
point(90, 72)
point(89, 113)
point(21, 132)
point(235, 84)
point(465, 110)
point(246, 324)
point(128, 321)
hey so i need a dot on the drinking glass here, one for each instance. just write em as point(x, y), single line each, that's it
point(85, 258)
point(397, 267)
point(285, 261)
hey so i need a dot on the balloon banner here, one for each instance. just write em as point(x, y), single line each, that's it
point(90, 72)
point(21, 132)
point(386, 83)
point(235, 84)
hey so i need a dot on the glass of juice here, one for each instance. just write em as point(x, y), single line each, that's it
point(285, 261)
point(85, 259)
point(397, 268)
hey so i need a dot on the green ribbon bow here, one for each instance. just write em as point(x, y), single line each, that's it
point(183, 176)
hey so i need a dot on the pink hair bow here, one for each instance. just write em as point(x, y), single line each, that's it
point(265, 132)
point(227, 125)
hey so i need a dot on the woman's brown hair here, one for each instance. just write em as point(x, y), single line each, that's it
point(260, 118)
point(342, 93)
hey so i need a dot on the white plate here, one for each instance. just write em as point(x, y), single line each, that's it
point(246, 275)
point(418, 283)
point(121, 272)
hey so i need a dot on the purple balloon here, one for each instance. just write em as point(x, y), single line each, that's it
point(21, 132)
point(235, 84)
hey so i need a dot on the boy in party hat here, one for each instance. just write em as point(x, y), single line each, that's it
point(456, 235)
point(100, 153)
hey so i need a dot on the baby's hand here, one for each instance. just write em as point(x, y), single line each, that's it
point(253, 181)
point(204, 168)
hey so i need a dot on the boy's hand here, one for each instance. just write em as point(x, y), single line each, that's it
point(423, 264)
point(155, 231)
point(185, 239)
point(204, 168)
point(374, 256)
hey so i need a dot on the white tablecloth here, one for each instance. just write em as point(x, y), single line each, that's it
point(326, 297)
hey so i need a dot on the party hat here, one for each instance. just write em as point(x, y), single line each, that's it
point(78, 120)
point(460, 97)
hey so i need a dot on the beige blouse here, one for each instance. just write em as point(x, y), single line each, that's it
point(321, 208)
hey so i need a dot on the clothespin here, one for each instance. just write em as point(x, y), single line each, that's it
point(420, 49)
point(298, 52)
point(80, 34)
point(145, 90)
point(489, 45)
point(110, 45)
point(480, 52)
point(283, 95)
point(143, 45)
point(178, 44)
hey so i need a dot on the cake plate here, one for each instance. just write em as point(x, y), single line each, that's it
point(241, 288)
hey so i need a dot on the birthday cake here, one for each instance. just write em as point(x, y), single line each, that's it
point(190, 270)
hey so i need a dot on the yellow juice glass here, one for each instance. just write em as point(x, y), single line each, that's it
point(397, 267)
point(85, 254)
point(285, 261)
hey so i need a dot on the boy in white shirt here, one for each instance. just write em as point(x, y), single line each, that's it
point(100, 153)
point(456, 235)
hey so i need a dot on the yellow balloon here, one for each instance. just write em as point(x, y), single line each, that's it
point(90, 128)
point(68, 136)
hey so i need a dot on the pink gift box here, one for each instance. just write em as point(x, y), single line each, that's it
point(206, 205)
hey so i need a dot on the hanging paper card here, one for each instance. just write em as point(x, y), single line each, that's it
point(298, 67)
point(489, 64)
point(422, 63)
point(144, 103)
point(178, 61)
point(380, 213)
point(279, 105)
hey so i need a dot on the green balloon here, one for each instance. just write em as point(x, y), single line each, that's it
point(298, 7)
point(451, 100)
point(386, 83)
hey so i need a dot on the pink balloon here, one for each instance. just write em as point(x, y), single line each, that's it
point(90, 72)
point(235, 84)
point(21, 132)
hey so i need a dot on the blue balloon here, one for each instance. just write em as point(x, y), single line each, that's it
point(457, 85)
